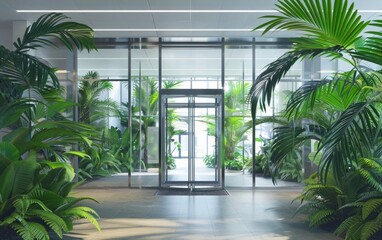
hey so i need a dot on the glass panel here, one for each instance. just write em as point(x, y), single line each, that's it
point(108, 63)
point(103, 91)
point(177, 122)
point(191, 151)
point(238, 138)
point(205, 143)
point(145, 111)
point(191, 67)
point(63, 60)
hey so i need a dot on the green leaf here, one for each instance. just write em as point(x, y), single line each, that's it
point(322, 23)
point(373, 205)
point(55, 26)
point(17, 178)
point(56, 223)
point(8, 154)
point(84, 213)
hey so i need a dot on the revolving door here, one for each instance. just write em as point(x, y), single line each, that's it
point(191, 128)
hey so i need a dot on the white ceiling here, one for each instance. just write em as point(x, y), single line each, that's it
point(185, 20)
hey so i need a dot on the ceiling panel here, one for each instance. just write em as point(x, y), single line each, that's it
point(169, 4)
point(112, 4)
point(161, 20)
point(174, 20)
point(121, 20)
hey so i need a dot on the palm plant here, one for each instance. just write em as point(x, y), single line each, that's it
point(341, 112)
point(347, 138)
point(235, 125)
point(34, 192)
point(145, 109)
point(92, 108)
point(21, 73)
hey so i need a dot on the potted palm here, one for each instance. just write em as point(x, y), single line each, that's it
point(347, 107)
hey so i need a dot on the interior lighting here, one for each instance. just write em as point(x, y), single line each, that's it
point(144, 11)
point(164, 11)
point(176, 30)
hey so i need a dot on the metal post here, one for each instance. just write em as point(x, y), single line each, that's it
point(140, 116)
point(160, 110)
point(253, 120)
point(222, 113)
point(74, 64)
point(130, 120)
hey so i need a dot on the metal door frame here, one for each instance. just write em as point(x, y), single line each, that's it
point(218, 95)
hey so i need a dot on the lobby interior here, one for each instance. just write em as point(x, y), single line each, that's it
point(205, 48)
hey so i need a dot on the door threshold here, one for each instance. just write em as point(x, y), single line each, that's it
point(194, 192)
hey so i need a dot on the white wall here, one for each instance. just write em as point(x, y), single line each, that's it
point(6, 36)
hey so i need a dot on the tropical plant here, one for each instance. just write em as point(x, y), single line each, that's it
point(120, 144)
point(111, 155)
point(22, 74)
point(172, 144)
point(93, 108)
point(342, 112)
point(348, 135)
point(235, 124)
point(98, 162)
point(144, 109)
point(34, 192)
point(237, 163)
point(35, 196)
point(291, 170)
point(352, 207)
point(210, 161)
point(146, 98)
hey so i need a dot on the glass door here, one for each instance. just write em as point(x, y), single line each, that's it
point(191, 138)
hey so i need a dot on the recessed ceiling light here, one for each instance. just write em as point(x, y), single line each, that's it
point(175, 30)
point(146, 11)
point(370, 11)
point(162, 11)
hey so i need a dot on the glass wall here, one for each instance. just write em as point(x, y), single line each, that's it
point(238, 122)
point(191, 67)
point(145, 111)
point(265, 53)
point(135, 70)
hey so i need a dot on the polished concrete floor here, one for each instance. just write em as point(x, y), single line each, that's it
point(150, 179)
point(244, 214)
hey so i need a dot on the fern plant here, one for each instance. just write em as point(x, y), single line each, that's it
point(352, 207)
point(366, 222)
point(35, 197)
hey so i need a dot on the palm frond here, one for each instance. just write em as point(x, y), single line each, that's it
point(287, 139)
point(355, 231)
point(54, 222)
point(25, 71)
point(371, 48)
point(324, 24)
point(370, 206)
point(262, 90)
point(346, 225)
point(70, 202)
point(83, 213)
point(322, 217)
point(347, 136)
point(55, 25)
point(370, 228)
point(327, 194)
